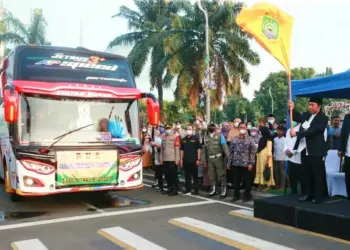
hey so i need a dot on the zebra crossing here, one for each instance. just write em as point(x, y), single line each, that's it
point(125, 239)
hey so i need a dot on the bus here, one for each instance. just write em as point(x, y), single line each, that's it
point(69, 122)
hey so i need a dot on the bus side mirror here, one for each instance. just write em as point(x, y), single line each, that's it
point(10, 105)
point(3, 75)
point(153, 112)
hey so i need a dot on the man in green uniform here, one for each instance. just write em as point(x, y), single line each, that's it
point(215, 150)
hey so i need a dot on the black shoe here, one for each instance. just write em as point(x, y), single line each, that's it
point(234, 199)
point(173, 193)
point(246, 199)
point(212, 191)
point(316, 201)
point(223, 192)
point(166, 191)
point(186, 191)
point(195, 193)
point(305, 198)
point(155, 184)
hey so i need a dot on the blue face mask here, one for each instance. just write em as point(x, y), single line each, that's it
point(168, 132)
point(161, 130)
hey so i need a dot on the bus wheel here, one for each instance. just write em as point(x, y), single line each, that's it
point(12, 194)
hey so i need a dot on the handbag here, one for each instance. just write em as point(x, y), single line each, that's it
point(267, 173)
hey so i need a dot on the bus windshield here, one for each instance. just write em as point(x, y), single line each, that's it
point(41, 120)
point(68, 65)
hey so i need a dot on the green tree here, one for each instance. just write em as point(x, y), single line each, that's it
point(240, 107)
point(277, 82)
point(16, 32)
point(229, 51)
point(148, 26)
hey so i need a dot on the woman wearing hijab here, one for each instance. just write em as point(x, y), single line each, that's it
point(264, 159)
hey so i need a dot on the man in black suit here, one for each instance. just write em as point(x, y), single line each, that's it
point(344, 150)
point(314, 129)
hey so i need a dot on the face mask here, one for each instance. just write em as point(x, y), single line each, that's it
point(242, 131)
point(168, 132)
point(275, 131)
point(161, 130)
point(178, 126)
point(253, 133)
point(249, 127)
point(144, 130)
point(236, 124)
point(211, 130)
point(271, 121)
point(189, 132)
point(295, 124)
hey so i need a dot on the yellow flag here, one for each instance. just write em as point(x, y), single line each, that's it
point(272, 29)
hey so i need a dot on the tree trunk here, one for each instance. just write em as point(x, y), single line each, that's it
point(160, 97)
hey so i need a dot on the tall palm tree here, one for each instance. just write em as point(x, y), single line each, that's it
point(16, 32)
point(148, 27)
point(229, 51)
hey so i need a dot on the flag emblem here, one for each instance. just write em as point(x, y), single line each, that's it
point(270, 27)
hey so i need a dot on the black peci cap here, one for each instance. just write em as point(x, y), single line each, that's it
point(316, 100)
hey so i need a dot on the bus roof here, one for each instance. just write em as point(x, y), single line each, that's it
point(77, 49)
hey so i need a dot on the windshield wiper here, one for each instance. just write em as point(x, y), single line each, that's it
point(60, 137)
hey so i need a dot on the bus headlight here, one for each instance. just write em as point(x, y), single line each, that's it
point(38, 167)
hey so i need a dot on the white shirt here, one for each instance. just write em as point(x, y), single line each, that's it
point(347, 152)
point(290, 143)
point(278, 152)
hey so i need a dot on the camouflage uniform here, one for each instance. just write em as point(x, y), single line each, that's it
point(215, 148)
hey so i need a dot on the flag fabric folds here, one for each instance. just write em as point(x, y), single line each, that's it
point(271, 27)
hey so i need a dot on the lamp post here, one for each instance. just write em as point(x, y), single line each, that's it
point(207, 60)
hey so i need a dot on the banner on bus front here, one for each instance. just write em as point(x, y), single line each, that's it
point(76, 168)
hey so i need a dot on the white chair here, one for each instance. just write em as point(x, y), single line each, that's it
point(332, 163)
point(339, 186)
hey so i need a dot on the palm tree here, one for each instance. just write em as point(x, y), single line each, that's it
point(229, 51)
point(16, 32)
point(148, 27)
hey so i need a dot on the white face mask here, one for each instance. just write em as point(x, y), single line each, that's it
point(253, 133)
point(242, 131)
point(236, 124)
point(189, 132)
point(178, 126)
point(271, 121)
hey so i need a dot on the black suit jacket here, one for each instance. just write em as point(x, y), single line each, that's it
point(314, 135)
point(344, 134)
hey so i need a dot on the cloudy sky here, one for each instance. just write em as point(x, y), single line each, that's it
point(320, 36)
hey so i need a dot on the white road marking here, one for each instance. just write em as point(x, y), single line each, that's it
point(208, 199)
point(95, 208)
point(229, 234)
point(244, 212)
point(127, 239)
point(33, 244)
point(101, 215)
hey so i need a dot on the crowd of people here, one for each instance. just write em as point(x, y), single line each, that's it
point(243, 155)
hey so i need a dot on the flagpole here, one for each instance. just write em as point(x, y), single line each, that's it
point(207, 60)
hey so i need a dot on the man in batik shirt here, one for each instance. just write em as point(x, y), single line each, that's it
point(241, 160)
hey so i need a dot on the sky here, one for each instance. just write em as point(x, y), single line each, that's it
point(320, 37)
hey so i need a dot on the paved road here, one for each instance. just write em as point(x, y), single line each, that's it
point(144, 218)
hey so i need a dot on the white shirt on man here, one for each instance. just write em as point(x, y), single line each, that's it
point(278, 152)
point(290, 143)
